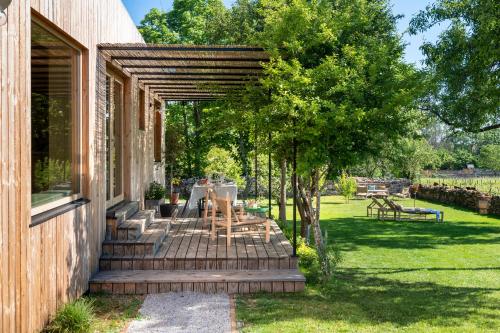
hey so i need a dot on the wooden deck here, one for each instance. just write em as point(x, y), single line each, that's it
point(187, 259)
point(188, 247)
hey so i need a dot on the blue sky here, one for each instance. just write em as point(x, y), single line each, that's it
point(138, 8)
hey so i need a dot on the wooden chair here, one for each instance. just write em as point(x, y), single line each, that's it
point(376, 204)
point(404, 193)
point(230, 219)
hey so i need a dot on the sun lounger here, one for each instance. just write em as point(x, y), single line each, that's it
point(405, 213)
point(377, 205)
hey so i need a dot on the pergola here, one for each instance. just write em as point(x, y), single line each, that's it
point(189, 72)
point(196, 73)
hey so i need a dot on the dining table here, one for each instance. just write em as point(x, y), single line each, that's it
point(199, 191)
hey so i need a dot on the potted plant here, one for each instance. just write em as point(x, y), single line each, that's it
point(174, 192)
point(154, 196)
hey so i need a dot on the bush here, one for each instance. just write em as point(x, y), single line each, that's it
point(347, 186)
point(75, 317)
point(155, 192)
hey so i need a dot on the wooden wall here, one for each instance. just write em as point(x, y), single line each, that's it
point(44, 266)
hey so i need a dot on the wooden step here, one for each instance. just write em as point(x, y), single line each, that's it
point(147, 244)
point(229, 281)
point(117, 214)
point(133, 227)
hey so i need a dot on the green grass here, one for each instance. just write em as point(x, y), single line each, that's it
point(114, 312)
point(489, 185)
point(396, 276)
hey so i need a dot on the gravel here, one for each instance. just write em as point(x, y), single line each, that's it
point(183, 313)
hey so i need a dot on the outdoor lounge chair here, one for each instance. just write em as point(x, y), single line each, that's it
point(405, 193)
point(230, 219)
point(405, 213)
point(376, 204)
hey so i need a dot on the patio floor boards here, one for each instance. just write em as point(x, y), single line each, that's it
point(188, 246)
point(189, 260)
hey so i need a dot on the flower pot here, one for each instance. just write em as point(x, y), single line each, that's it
point(174, 198)
point(153, 204)
point(166, 210)
point(483, 204)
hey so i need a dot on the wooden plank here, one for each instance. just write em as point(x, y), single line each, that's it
point(180, 256)
point(201, 253)
point(252, 257)
point(190, 259)
point(241, 251)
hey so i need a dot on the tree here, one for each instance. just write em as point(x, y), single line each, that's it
point(155, 28)
point(199, 21)
point(463, 66)
point(489, 158)
point(220, 161)
point(347, 186)
point(336, 85)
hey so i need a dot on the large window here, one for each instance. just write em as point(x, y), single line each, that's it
point(55, 119)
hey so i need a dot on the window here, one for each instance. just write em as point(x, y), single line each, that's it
point(114, 138)
point(142, 110)
point(157, 132)
point(55, 119)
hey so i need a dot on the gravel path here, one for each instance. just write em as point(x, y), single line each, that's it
point(184, 313)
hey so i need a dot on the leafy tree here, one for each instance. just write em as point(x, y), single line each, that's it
point(155, 28)
point(220, 161)
point(489, 157)
point(336, 85)
point(410, 156)
point(199, 21)
point(347, 186)
point(463, 66)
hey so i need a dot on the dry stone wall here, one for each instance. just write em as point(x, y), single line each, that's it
point(467, 198)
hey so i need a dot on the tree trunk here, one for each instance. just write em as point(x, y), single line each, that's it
point(311, 218)
point(243, 154)
point(282, 213)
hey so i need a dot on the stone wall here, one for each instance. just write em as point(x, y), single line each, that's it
point(467, 198)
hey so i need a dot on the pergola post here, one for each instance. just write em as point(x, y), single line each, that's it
point(269, 176)
point(294, 184)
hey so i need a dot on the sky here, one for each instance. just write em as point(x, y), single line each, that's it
point(139, 8)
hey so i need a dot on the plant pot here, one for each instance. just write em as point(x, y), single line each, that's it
point(483, 204)
point(166, 210)
point(153, 204)
point(174, 198)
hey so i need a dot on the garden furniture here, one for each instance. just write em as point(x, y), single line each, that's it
point(376, 204)
point(362, 191)
point(230, 219)
point(406, 213)
point(405, 193)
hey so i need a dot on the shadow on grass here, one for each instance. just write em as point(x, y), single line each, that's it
point(357, 298)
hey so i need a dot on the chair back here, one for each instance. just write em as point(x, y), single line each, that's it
point(222, 204)
point(378, 203)
point(391, 204)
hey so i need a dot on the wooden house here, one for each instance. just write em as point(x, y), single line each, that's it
point(81, 130)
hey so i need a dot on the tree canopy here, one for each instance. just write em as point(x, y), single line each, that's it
point(463, 66)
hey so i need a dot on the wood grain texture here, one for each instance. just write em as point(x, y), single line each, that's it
point(43, 267)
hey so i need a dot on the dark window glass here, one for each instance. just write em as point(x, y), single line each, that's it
point(54, 119)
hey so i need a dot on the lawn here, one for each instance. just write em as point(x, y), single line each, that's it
point(114, 312)
point(395, 276)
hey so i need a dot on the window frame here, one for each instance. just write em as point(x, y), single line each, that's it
point(79, 60)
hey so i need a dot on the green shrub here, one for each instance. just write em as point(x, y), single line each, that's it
point(156, 191)
point(75, 317)
point(347, 186)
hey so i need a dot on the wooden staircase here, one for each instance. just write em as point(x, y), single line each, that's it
point(144, 254)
